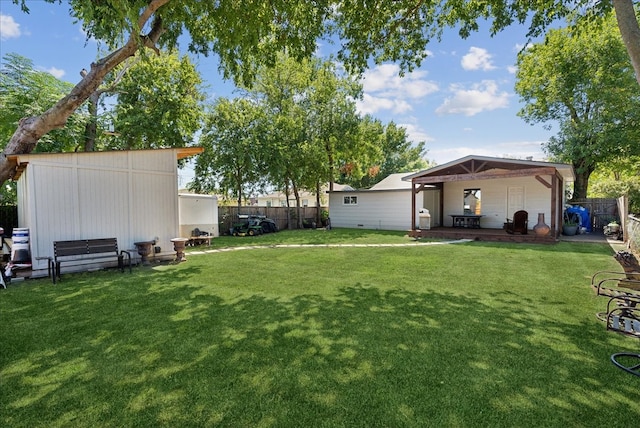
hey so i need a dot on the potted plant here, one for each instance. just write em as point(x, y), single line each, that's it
point(614, 226)
point(570, 224)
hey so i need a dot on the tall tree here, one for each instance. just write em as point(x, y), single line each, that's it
point(332, 117)
point(332, 122)
point(583, 81)
point(24, 90)
point(230, 164)
point(280, 90)
point(249, 34)
point(386, 150)
point(159, 103)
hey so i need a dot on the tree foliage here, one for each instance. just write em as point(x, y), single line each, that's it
point(230, 164)
point(159, 104)
point(25, 91)
point(390, 151)
point(249, 34)
point(583, 80)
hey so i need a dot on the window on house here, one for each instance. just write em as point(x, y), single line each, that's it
point(269, 204)
point(472, 201)
point(350, 200)
point(305, 202)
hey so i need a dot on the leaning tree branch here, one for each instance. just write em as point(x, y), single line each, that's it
point(31, 129)
point(629, 30)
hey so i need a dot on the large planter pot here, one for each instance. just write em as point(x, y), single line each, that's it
point(542, 228)
point(144, 249)
point(179, 245)
point(569, 230)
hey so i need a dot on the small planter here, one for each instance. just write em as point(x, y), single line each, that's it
point(569, 229)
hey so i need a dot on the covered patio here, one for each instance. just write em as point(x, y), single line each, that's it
point(493, 235)
point(475, 195)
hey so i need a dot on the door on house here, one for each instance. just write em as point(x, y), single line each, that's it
point(515, 200)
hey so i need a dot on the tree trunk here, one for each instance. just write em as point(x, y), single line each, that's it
point(31, 129)
point(630, 31)
point(580, 186)
point(296, 194)
point(318, 213)
point(91, 128)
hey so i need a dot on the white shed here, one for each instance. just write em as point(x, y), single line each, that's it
point(198, 211)
point(129, 195)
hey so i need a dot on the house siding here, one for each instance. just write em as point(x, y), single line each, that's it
point(384, 210)
point(537, 199)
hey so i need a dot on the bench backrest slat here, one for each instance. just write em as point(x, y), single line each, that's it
point(85, 246)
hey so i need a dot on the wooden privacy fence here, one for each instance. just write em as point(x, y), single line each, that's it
point(285, 218)
point(601, 210)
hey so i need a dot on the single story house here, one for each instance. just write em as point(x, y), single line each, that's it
point(130, 195)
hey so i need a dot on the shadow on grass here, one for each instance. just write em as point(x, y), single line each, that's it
point(159, 352)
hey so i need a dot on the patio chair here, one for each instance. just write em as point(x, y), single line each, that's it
point(625, 320)
point(519, 223)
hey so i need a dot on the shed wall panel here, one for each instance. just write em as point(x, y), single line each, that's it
point(130, 195)
point(104, 200)
point(53, 210)
point(154, 202)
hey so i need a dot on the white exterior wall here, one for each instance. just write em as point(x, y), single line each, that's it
point(130, 195)
point(384, 210)
point(537, 199)
point(198, 211)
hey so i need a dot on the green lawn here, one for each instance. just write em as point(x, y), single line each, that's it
point(465, 335)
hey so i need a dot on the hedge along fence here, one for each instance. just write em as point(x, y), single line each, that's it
point(285, 218)
point(633, 233)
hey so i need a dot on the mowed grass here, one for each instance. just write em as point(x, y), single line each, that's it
point(461, 335)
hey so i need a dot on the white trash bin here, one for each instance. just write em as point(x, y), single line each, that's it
point(424, 219)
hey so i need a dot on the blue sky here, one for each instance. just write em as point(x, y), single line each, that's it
point(461, 100)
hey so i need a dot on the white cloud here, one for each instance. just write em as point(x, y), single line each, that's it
point(384, 89)
point(512, 69)
point(8, 27)
point(483, 96)
point(56, 72)
point(385, 81)
point(415, 133)
point(511, 150)
point(477, 59)
point(370, 105)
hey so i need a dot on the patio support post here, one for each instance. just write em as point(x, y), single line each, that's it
point(413, 205)
point(554, 203)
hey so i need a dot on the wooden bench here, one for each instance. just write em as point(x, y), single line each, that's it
point(199, 240)
point(84, 251)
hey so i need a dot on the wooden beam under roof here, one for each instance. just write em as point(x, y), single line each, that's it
point(486, 175)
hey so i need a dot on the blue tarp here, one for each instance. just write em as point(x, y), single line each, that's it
point(583, 216)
